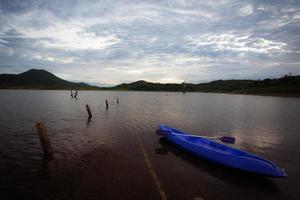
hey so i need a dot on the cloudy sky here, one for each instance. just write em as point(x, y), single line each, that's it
point(109, 42)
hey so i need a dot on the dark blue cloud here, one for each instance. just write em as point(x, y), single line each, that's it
point(16, 6)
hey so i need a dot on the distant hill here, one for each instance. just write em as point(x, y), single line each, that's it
point(39, 79)
point(142, 85)
point(285, 85)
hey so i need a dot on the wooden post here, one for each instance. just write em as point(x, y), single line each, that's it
point(88, 110)
point(76, 93)
point(118, 100)
point(45, 142)
point(106, 104)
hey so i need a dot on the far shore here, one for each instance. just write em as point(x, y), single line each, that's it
point(122, 90)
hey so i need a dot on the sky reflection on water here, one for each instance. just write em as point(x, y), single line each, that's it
point(267, 126)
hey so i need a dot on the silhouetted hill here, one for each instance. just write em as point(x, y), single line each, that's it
point(39, 79)
point(148, 86)
point(285, 85)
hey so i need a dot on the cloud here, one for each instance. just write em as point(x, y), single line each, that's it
point(62, 60)
point(114, 41)
point(235, 42)
point(6, 66)
point(246, 10)
point(69, 39)
point(6, 50)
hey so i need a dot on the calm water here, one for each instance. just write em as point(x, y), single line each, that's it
point(267, 126)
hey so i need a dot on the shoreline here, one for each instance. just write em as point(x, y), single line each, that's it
point(213, 92)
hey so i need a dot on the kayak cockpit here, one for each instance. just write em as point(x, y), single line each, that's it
point(205, 143)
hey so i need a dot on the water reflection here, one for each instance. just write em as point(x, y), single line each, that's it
point(259, 139)
point(161, 151)
point(267, 126)
point(225, 174)
point(88, 121)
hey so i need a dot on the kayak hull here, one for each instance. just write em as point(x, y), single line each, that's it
point(221, 154)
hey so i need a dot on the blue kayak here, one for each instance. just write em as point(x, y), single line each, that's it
point(220, 153)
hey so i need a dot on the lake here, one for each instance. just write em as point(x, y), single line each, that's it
point(104, 156)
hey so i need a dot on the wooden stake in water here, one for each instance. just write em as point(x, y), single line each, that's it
point(45, 142)
point(117, 100)
point(89, 111)
point(76, 93)
point(106, 104)
point(183, 84)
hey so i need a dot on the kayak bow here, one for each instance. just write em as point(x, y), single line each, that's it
point(220, 153)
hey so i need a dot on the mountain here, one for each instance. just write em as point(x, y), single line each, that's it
point(142, 85)
point(285, 85)
point(39, 79)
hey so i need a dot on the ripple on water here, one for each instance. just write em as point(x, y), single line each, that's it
point(264, 125)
